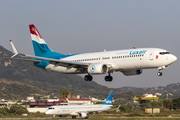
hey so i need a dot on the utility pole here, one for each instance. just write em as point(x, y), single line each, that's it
point(153, 104)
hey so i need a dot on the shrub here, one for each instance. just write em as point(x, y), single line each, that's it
point(1, 115)
point(122, 108)
point(18, 109)
point(4, 111)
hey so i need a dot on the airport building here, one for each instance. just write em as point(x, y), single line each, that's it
point(77, 101)
point(146, 98)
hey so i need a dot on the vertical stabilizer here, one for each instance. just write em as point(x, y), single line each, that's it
point(40, 46)
point(109, 99)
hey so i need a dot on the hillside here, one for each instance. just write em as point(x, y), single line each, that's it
point(171, 88)
point(20, 79)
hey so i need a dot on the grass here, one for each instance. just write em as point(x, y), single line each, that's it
point(112, 115)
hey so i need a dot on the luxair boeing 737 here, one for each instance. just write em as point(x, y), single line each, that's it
point(80, 110)
point(128, 61)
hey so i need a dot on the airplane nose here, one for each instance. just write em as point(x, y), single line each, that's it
point(173, 58)
point(46, 112)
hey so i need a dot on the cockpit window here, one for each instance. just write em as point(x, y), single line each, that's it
point(163, 53)
point(51, 108)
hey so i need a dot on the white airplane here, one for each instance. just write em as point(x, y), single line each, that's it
point(80, 110)
point(128, 61)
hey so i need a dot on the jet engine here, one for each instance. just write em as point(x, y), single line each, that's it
point(132, 72)
point(97, 69)
point(82, 114)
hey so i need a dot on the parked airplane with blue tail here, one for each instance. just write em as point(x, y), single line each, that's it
point(128, 61)
point(80, 110)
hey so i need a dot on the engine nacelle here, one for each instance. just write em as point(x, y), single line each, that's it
point(82, 114)
point(97, 69)
point(132, 72)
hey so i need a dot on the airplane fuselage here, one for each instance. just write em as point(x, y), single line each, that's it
point(120, 60)
point(75, 109)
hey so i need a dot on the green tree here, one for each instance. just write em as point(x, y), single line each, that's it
point(166, 103)
point(4, 111)
point(157, 103)
point(66, 93)
point(63, 94)
point(69, 92)
point(176, 102)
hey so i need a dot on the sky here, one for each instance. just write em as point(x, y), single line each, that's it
point(81, 26)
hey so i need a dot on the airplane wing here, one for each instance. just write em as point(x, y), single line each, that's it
point(56, 62)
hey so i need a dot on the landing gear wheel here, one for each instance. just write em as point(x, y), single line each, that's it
point(108, 78)
point(73, 117)
point(159, 73)
point(87, 117)
point(88, 78)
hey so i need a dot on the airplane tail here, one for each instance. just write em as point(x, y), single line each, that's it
point(109, 99)
point(40, 47)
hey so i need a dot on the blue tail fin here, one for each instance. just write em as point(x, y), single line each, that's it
point(109, 99)
point(40, 47)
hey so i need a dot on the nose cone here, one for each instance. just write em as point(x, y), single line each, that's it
point(47, 112)
point(173, 58)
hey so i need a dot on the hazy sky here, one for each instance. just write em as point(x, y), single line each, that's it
point(80, 26)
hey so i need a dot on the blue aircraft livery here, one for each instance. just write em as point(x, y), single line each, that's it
point(137, 52)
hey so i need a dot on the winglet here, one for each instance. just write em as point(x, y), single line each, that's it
point(13, 47)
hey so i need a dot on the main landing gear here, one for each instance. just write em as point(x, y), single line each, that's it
point(108, 78)
point(88, 78)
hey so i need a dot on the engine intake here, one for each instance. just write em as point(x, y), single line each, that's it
point(97, 69)
point(82, 114)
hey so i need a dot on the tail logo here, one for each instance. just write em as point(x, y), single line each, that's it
point(36, 32)
point(92, 68)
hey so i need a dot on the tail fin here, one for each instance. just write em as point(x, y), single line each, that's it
point(40, 46)
point(109, 99)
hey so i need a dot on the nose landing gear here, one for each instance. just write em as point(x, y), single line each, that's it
point(159, 73)
point(161, 68)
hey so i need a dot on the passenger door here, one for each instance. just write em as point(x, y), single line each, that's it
point(151, 55)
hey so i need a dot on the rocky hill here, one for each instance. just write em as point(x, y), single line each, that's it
point(171, 88)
